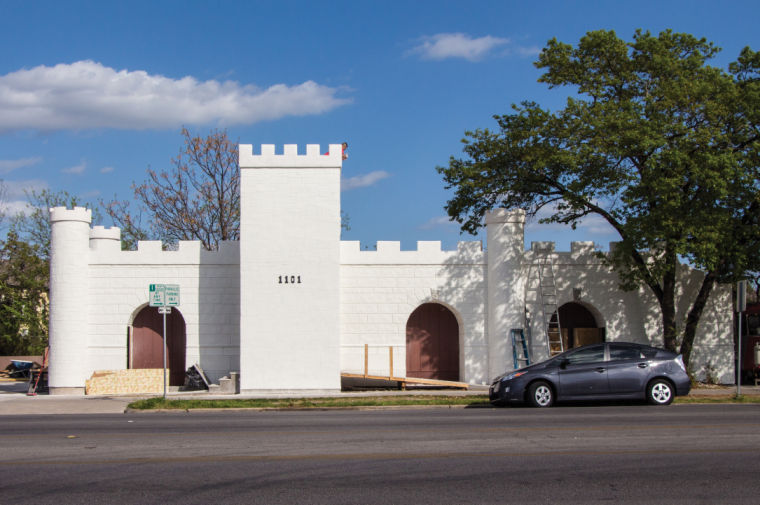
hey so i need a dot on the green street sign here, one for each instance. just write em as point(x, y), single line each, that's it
point(172, 295)
point(163, 295)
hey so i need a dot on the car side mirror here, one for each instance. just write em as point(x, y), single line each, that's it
point(563, 363)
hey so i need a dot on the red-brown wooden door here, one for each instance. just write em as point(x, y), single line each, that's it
point(147, 343)
point(432, 343)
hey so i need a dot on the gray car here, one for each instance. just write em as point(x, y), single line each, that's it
point(608, 371)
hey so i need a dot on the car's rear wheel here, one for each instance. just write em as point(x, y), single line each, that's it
point(660, 392)
point(541, 394)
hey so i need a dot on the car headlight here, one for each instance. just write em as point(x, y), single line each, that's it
point(511, 376)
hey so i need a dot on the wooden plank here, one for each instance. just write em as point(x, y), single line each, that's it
point(409, 380)
point(390, 370)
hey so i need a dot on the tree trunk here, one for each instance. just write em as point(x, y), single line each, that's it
point(692, 320)
point(668, 302)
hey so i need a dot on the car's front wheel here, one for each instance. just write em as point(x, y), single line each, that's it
point(660, 392)
point(541, 394)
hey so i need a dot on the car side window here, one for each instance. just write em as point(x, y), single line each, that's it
point(588, 355)
point(618, 352)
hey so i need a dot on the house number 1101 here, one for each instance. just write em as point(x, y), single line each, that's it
point(290, 279)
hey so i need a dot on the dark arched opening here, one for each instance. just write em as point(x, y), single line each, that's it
point(432, 343)
point(579, 326)
point(146, 346)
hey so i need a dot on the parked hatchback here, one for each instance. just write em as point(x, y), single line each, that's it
point(608, 371)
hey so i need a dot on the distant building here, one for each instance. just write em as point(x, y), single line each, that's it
point(290, 306)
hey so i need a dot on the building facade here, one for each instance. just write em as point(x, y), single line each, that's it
point(290, 306)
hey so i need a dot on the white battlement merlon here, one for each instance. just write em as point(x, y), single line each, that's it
point(542, 247)
point(290, 268)
point(69, 248)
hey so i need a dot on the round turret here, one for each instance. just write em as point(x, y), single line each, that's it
point(69, 258)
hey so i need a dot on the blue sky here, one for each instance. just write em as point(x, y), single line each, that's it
point(94, 93)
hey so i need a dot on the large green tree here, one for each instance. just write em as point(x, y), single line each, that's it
point(23, 298)
point(661, 145)
point(25, 272)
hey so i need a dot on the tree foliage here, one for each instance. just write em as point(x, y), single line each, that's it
point(33, 224)
point(23, 297)
point(25, 272)
point(661, 145)
point(197, 198)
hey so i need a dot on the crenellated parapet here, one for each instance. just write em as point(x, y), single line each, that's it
point(581, 252)
point(77, 214)
point(290, 157)
point(152, 252)
point(427, 253)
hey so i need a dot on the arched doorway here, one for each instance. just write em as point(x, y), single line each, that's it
point(432, 343)
point(579, 326)
point(146, 345)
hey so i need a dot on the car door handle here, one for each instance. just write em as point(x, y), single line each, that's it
point(643, 365)
point(600, 369)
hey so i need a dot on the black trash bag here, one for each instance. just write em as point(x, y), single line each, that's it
point(195, 379)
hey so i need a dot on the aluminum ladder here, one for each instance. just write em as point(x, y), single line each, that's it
point(519, 348)
point(547, 290)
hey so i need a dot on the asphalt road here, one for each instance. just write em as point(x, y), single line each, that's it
point(587, 454)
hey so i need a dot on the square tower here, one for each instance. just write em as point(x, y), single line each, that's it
point(289, 269)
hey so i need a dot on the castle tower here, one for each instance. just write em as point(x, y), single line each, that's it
point(69, 254)
point(506, 305)
point(105, 239)
point(289, 269)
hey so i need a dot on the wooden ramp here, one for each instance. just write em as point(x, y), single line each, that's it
point(403, 381)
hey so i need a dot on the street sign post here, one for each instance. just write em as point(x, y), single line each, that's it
point(164, 296)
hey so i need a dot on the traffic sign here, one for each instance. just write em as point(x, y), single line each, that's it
point(172, 295)
point(163, 295)
point(164, 310)
point(157, 295)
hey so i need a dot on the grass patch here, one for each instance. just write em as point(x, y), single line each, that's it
point(718, 399)
point(368, 401)
point(306, 403)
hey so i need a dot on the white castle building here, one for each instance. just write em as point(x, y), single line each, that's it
point(290, 306)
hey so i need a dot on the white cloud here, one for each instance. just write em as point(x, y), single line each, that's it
point(456, 45)
point(438, 222)
point(76, 169)
point(7, 166)
point(362, 181)
point(16, 190)
point(15, 194)
point(87, 94)
point(529, 51)
point(106, 170)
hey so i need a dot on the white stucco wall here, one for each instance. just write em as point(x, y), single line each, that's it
point(209, 301)
point(380, 289)
point(632, 316)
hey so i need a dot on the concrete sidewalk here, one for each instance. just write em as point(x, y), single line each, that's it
point(14, 401)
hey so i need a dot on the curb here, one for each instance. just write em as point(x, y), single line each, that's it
point(309, 409)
